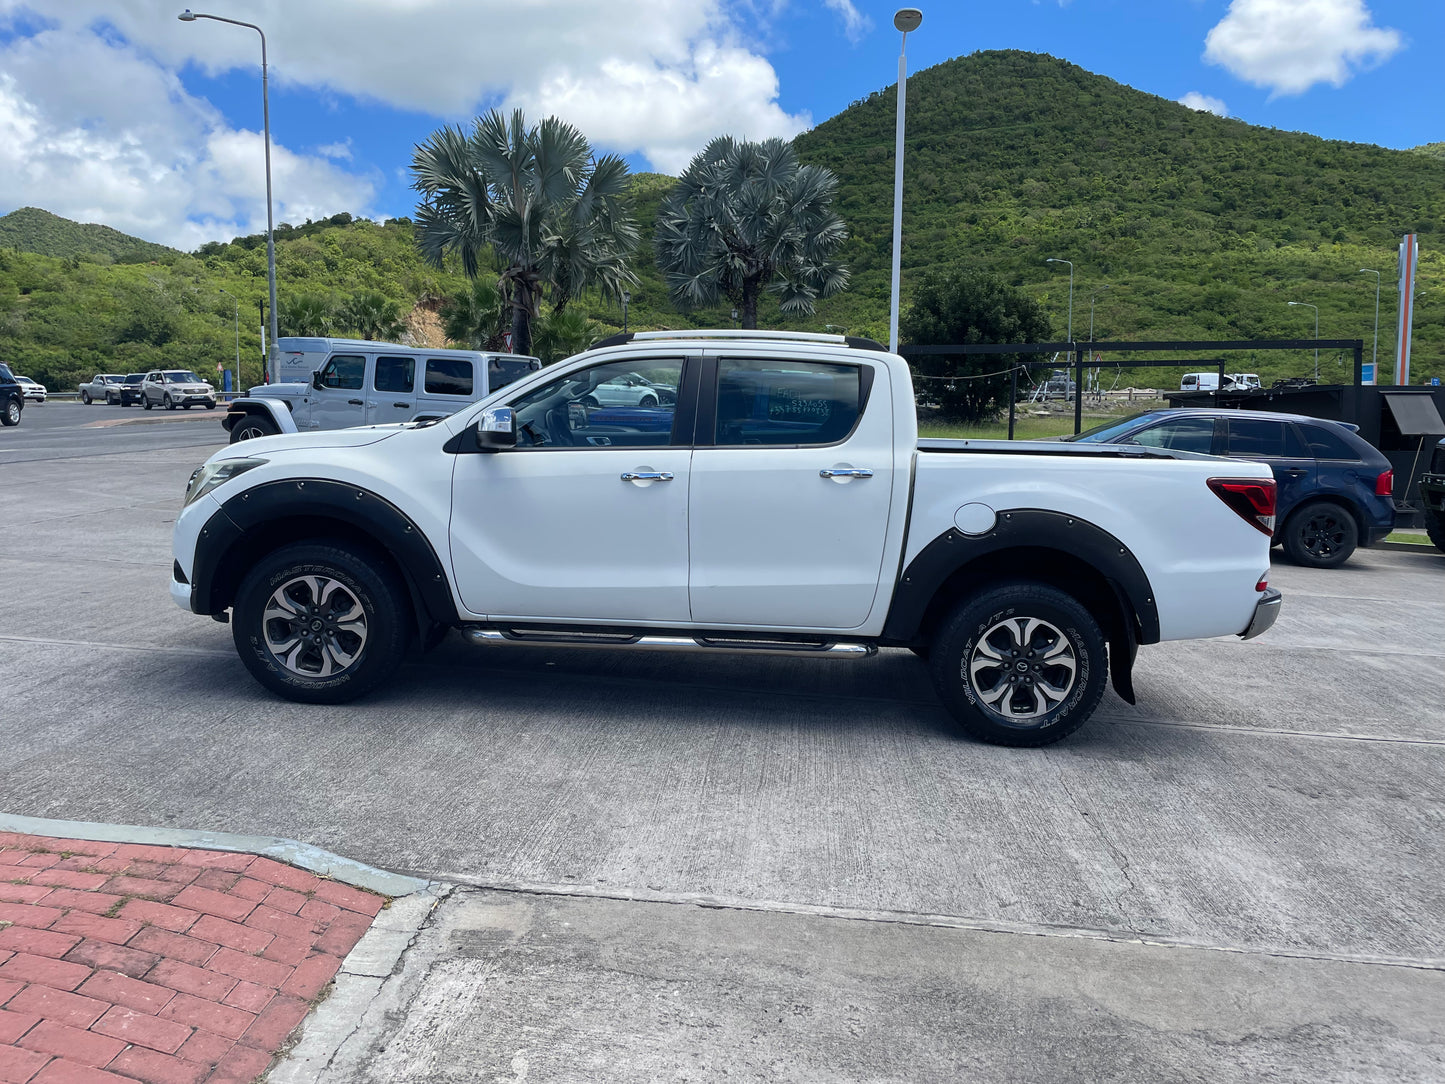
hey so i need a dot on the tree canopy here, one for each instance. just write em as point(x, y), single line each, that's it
point(533, 198)
point(744, 217)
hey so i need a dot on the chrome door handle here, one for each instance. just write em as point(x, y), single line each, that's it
point(851, 472)
point(648, 476)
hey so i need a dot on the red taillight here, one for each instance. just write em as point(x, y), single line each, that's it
point(1385, 484)
point(1251, 498)
point(1262, 585)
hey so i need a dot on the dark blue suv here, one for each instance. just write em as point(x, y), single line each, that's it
point(1334, 488)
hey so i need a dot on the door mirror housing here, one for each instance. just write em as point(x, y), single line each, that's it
point(497, 429)
point(316, 380)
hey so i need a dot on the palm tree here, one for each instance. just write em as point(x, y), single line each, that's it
point(477, 316)
point(745, 217)
point(560, 334)
point(373, 315)
point(552, 214)
point(305, 314)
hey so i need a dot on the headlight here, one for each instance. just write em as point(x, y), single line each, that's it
point(206, 478)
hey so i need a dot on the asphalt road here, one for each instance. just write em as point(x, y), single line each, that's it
point(66, 430)
point(1278, 801)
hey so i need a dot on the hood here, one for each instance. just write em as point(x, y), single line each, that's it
point(359, 437)
point(279, 391)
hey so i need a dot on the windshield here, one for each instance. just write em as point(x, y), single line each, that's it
point(181, 376)
point(1103, 434)
point(134, 378)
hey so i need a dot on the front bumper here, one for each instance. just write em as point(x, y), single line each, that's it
point(1265, 612)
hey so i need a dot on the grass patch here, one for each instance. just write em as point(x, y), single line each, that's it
point(1411, 537)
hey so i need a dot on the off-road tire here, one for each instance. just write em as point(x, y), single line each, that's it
point(251, 426)
point(1029, 617)
point(1321, 534)
point(351, 579)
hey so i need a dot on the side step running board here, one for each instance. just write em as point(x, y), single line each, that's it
point(720, 642)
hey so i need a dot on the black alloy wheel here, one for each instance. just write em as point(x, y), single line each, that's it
point(1321, 535)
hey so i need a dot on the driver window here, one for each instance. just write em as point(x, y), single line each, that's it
point(343, 371)
point(622, 404)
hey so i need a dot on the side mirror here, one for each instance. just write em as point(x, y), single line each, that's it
point(497, 429)
point(316, 380)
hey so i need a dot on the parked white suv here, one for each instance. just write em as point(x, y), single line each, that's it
point(173, 388)
point(783, 503)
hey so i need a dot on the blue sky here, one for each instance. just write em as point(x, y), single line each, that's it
point(113, 111)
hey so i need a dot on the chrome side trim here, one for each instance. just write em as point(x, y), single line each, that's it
point(647, 642)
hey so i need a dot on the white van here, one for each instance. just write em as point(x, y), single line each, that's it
point(338, 383)
point(1199, 382)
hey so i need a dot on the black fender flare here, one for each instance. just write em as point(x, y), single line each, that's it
point(226, 541)
point(1039, 532)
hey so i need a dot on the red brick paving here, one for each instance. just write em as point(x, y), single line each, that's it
point(166, 965)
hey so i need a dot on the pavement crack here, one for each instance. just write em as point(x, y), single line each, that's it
point(1121, 860)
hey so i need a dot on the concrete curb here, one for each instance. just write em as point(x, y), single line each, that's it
point(290, 851)
point(1408, 547)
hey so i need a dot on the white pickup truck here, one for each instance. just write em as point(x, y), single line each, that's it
point(780, 502)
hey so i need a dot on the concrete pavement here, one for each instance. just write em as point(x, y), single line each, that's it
point(1275, 803)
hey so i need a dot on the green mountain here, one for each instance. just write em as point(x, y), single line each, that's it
point(1202, 228)
point(32, 230)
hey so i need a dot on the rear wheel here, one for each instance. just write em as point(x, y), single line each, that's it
point(1022, 664)
point(11, 414)
point(1435, 528)
point(251, 426)
point(1321, 535)
point(320, 623)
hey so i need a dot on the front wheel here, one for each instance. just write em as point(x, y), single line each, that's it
point(1321, 535)
point(1435, 528)
point(169, 402)
point(145, 401)
point(648, 401)
point(1022, 664)
point(252, 426)
point(85, 398)
point(320, 623)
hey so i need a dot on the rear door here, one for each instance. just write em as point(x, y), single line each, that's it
point(1277, 444)
point(791, 489)
point(391, 389)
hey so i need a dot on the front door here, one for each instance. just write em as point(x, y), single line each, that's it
point(789, 505)
point(338, 402)
point(586, 518)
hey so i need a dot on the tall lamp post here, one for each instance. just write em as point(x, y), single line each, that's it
point(626, 300)
point(905, 20)
point(1375, 353)
point(1307, 305)
point(189, 16)
point(238, 335)
point(1052, 259)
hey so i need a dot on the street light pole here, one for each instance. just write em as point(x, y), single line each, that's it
point(1093, 295)
point(238, 335)
point(1375, 353)
point(1307, 305)
point(1051, 259)
point(626, 298)
point(905, 19)
point(189, 16)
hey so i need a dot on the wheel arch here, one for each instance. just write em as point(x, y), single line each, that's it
point(276, 411)
point(1071, 554)
point(262, 520)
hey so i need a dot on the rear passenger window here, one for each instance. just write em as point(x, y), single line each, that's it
point(448, 376)
point(395, 374)
point(344, 371)
point(1261, 437)
point(786, 402)
point(1326, 445)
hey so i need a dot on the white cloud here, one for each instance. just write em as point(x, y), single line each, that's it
point(449, 58)
point(855, 23)
point(116, 139)
point(341, 151)
point(1204, 103)
point(1290, 45)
